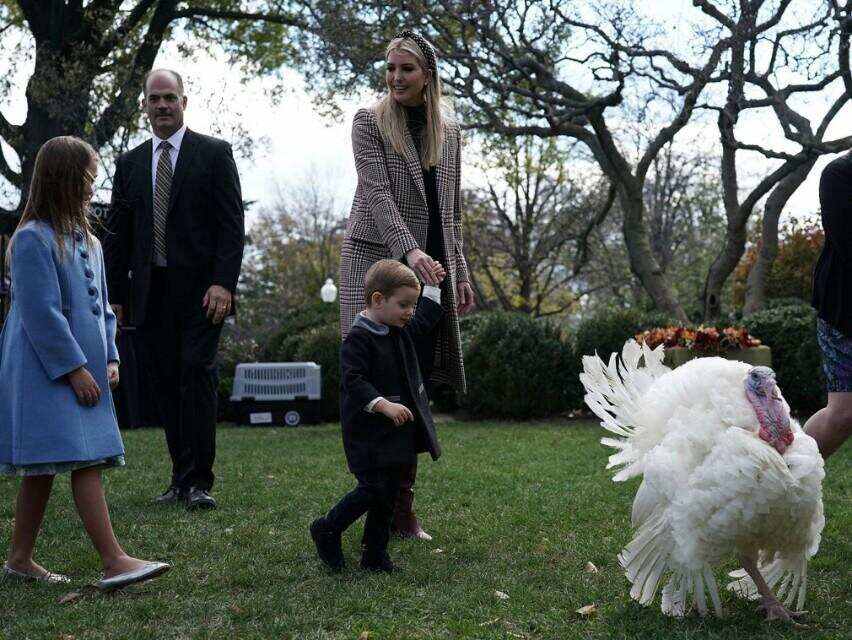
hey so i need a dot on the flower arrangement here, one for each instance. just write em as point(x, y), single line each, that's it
point(703, 340)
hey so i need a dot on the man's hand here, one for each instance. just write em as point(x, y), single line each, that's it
point(118, 310)
point(217, 301)
point(86, 389)
point(399, 413)
point(112, 374)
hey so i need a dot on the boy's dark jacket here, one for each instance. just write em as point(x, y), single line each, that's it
point(377, 360)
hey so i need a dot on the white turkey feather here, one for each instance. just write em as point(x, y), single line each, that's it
point(711, 488)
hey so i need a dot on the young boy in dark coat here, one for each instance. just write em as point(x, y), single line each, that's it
point(384, 409)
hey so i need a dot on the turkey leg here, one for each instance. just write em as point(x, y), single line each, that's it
point(769, 604)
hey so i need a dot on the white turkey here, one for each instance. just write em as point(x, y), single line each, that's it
point(725, 472)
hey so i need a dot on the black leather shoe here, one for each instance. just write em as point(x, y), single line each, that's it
point(328, 545)
point(199, 499)
point(169, 496)
point(380, 563)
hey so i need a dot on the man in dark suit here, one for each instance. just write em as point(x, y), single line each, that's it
point(173, 249)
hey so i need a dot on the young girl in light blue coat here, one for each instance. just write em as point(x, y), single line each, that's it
point(58, 361)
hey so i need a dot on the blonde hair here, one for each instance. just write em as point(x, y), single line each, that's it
point(60, 189)
point(390, 115)
point(386, 277)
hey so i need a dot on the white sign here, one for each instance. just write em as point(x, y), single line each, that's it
point(260, 418)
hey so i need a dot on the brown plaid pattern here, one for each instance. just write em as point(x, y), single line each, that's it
point(389, 218)
point(161, 198)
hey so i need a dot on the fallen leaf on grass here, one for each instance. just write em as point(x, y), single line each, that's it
point(235, 609)
point(70, 597)
point(270, 477)
point(437, 551)
point(65, 636)
point(588, 610)
point(590, 568)
point(501, 595)
point(229, 530)
point(489, 622)
point(365, 635)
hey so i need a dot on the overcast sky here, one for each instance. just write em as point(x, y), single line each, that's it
point(293, 141)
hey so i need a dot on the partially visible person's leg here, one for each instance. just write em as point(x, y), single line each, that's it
point(374, 548)
point(832, 425)
point(199, 381)
point(92, 507)
point(29, 514)
point(160, 338)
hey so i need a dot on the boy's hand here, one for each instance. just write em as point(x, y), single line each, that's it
point(112, 374)
point(86, 389)
point(399, 413)
point(439, 272)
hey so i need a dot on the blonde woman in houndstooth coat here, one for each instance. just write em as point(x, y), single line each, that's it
point(408, 157)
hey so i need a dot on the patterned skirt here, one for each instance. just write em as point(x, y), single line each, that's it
point(836, 357)
point(55, 468)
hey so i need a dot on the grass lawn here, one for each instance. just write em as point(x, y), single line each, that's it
point(516, 508)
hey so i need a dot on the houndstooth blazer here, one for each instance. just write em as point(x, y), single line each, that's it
point(389, 218)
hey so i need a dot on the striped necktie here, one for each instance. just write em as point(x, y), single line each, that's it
point(161, 201)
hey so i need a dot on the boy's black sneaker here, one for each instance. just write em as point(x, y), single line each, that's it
point(328, 544)
point(380, 563)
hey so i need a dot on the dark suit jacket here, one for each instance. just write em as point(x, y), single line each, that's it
point(376, 360)
point(205, 231)
point(832, 296)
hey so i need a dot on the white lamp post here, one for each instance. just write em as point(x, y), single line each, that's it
point(328, 293)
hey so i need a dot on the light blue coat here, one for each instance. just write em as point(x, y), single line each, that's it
point(59, 320)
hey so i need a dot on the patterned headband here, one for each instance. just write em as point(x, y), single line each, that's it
point(425, 47)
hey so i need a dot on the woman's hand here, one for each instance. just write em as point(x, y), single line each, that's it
point(112, 374)
point(464, 295)
point(423, 265)
point(86, 389)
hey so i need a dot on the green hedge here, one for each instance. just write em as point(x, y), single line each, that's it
point(283, 345)
point(518, 368)
point(322, 345)
point(790, 331)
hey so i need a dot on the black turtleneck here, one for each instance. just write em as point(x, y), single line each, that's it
point(416, 119)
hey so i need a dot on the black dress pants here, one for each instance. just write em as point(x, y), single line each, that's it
point(181, 343)
point(375, 495)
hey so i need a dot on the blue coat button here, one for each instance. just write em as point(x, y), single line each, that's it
point(78, 236)
point(84, 254)
point(93, 292)
point(89, 273)
point(96, 310)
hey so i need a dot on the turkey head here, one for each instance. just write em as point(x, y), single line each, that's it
point(772, 412)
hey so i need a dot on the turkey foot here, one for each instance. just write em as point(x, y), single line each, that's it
point(774, 610)
point(769, 604)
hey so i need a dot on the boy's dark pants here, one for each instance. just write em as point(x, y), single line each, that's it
point(375, 495)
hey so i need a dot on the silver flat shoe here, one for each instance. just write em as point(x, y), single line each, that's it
point(48, 577)
point(145, 572)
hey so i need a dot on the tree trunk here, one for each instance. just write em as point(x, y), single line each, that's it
point(643, 264)
point(757, 277)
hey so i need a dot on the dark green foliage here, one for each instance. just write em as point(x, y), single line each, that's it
point(790, 331)
point(284, 344)
point(518, 368)
point(322, 345)
point(606, 332)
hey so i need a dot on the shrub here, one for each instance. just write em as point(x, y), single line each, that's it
point(282, 346)
point(519, 368)
point(790, 331)
point(606, 332)
point(322, 345)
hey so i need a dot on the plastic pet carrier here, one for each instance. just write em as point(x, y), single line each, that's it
point(277, 393)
